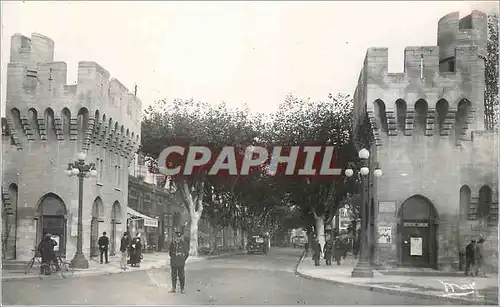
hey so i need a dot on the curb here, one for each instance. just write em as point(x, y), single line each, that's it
point(119, 271)
point(461, 301)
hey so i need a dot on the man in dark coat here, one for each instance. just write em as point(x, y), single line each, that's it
point(124, 246)
point(179, 252)
point(469, 256)
point(328, 251)
point(103, 246)
point(316, 249)
point(338, 248)
point(46, 250)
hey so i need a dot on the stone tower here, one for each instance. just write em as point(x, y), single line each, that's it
point(439, 187)
point(48, 122)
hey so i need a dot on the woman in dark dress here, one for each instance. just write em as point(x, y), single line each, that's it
point(135, 251)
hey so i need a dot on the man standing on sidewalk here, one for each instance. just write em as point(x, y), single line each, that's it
point(469, 257)
point(124, 246)
point(179, 252)
point(103, 246)
point(479, 258)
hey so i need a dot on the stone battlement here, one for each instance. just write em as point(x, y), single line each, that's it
point(34, 80)
point(41, 106)
point(441, 87)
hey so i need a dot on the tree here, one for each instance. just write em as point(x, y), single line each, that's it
point(491, 75)
point(298, 122)
point(194, 123)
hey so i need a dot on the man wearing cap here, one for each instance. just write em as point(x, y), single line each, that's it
point(179, 252)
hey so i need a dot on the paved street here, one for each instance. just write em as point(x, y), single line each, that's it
point(240, 279)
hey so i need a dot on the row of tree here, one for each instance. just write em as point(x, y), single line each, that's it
point(258, 200)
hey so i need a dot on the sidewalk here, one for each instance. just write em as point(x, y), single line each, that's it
point(150, 261)
point(473, 290)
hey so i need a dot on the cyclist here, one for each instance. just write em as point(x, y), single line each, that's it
point(46, 249)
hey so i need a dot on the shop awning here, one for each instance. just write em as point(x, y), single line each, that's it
point(148, 221)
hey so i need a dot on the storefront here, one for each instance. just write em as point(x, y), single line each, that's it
point(145, 226)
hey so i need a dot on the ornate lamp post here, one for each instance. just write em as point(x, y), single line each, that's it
point(363, 268)
point(80, 170)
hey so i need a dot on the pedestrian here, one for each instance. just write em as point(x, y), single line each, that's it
point(179, 252)
point(479, 258)
point(103, 247)
point(345, 245)
point(46, 250)
point(469, 257)
point(316, 249)
point(135, 251)
point(328, 251)
point(338, 250)
point(124, 246)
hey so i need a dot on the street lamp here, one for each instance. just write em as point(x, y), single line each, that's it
point(81, 170)
point(363, 268)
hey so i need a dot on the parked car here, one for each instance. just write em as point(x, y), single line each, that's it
point(257, 243)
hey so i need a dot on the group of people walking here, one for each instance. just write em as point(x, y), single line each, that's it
point(334, 248)
point(474, 258)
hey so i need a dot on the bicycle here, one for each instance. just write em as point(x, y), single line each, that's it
point(65, 267)
point(32, 262)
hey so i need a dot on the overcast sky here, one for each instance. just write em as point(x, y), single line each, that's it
point(238, 52)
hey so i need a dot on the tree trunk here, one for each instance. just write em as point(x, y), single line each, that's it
point(320, 229)
point(193, 235)
point(193, 200)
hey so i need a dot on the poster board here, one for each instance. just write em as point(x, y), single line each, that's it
point(74, 226)
point(57, 239)
point(387, 207)
point(385, 234)
point(415, 246)
point(151, 223)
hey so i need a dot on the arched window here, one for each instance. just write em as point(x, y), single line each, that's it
point(465, 197)
point(33, 122)
point(484, 203)
point(401, 115)
point(380, 115)
point(66, 122)
point(83, 124)
point(463, 111)
point(441, 112)
point(50, 124)
point(420, 120)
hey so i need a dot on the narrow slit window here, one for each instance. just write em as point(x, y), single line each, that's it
point(422, 66)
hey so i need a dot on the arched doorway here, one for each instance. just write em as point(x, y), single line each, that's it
point(97, 212)
point(52, 219)
point(116, 213)
point(417, 233)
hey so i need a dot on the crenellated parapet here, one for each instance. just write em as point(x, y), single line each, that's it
point(41, 106)
point(441, 91)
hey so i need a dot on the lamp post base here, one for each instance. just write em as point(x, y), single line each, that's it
point(79, 262)
point(362, 269)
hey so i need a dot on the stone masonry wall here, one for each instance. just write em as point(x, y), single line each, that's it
point(428, 126)
point(48, 122)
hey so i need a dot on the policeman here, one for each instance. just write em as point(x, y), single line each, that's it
point(179, 252)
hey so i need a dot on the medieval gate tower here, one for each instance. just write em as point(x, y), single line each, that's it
point(47, 124)
point(439, 187)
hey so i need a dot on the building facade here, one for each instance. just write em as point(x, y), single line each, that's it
point(157, 203)
point(48, 122)
point(440, 174)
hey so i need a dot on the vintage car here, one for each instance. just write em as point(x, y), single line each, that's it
point(258, 243)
